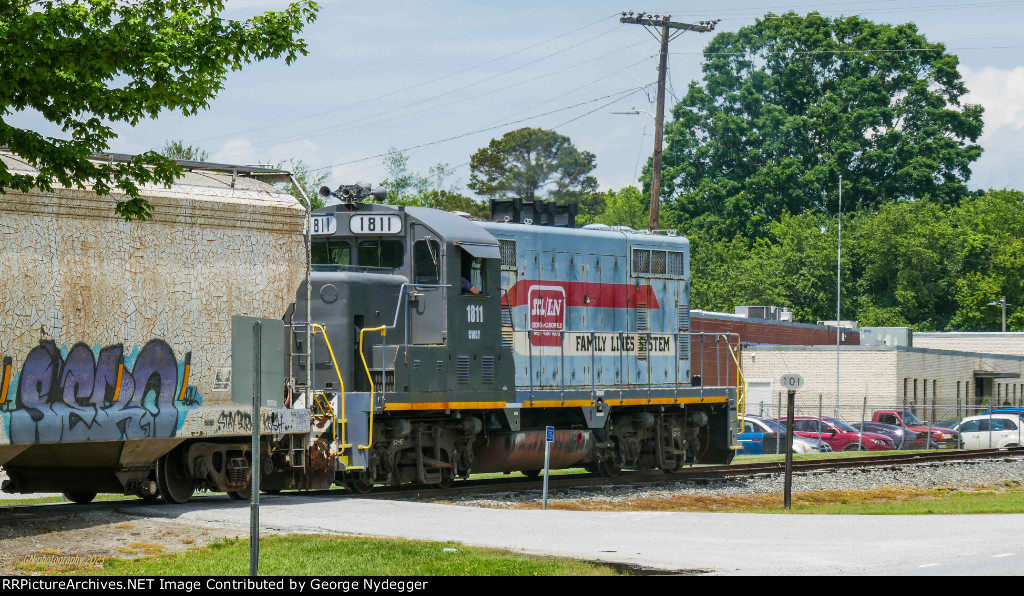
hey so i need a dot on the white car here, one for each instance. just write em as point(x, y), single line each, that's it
point(995, 431)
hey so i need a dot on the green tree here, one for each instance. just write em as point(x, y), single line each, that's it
point(308, 180)
point(177, 149)
point(85, 64)
point(991, 228)
point(406, 187)
point(790, 103)
point(626, 207)
point(528, 162)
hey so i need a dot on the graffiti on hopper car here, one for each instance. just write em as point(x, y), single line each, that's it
point(96, 394)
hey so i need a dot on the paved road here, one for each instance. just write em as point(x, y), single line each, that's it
point(726, 543)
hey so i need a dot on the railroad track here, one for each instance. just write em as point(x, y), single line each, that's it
point(696, 474)
point(691, 474)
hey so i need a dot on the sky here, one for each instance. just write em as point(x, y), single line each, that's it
point(440, 79)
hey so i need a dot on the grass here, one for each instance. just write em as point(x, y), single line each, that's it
point(326, 555)
point(754, 459)
point(897, 500)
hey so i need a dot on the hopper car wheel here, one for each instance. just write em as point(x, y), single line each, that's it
point(358, 482)
point(271, 491)
point(531, 474)
point(80, 498)
point(175, 485)
point(609, 468)
point(241, 495)
point(592, 468)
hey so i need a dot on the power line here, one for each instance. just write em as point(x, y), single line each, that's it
point(575, 89)
point(865, 51)
point(323, 130)
point(624, 93)
point(601, 107)
point(373, 119)
point(416, 86)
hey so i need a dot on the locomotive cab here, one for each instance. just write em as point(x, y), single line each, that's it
point(409, 301)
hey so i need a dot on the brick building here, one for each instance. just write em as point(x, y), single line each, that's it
point(940, 375)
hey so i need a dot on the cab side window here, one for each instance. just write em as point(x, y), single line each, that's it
point(426, 262)
point(473, 271)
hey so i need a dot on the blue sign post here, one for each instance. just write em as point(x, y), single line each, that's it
point(548, 440)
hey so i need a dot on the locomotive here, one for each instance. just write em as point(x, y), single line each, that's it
point(412, 345)
point(450, 345)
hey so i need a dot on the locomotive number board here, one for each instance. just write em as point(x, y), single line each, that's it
point(323, 225)
point(375, 224)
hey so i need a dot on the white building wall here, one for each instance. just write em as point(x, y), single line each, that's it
point(874, 377)
point(983, 342)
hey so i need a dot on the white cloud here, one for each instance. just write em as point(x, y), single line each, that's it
point(1001, 92)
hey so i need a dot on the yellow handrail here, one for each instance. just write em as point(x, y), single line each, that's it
point(741, 393)
point(383, 376)
point(342, 445)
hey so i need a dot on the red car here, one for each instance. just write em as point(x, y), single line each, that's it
point(838, 434)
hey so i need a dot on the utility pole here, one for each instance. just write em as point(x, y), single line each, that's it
point(662, 22)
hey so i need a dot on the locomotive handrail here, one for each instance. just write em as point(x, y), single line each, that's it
point(741, 382)
point(383, 377)
point(342, 445)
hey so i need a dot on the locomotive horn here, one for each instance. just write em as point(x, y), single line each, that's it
point(325, 191)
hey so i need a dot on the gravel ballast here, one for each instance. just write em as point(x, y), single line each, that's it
point(952, 475)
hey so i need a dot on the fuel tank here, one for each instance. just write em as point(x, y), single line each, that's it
point(510, 452)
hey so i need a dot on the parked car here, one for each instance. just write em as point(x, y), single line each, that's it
point(840, 435)
point(941, 438)
point(951, 423)
point(994, 430)
point(763, 435)
point(903, 438)
point(1004, 410)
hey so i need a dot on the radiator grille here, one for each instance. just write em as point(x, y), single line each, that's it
point(658, 262)
point(487, 369)
point(641, 261)
point(508, 254)
point(641, 327)
point(462, 369)
point(675, 264)
point(683, 348)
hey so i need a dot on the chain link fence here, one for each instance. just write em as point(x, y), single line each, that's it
point(929, 422)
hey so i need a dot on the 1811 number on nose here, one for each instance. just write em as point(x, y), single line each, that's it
point(375, 224)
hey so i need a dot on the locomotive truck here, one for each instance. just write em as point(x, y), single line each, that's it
point(416, 345)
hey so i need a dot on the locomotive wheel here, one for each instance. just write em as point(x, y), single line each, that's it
point(241, 495)
point(80, 498)
point(447, 478)
point(358, 482)
point(174, 484)
point(609, 468)
point(674, 467)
